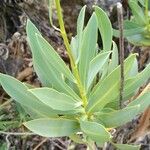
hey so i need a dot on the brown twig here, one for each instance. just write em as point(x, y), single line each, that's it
point(41, 143)
point(121, 47)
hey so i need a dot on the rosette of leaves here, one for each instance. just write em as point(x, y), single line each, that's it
point(82, 102)
point(137, 28)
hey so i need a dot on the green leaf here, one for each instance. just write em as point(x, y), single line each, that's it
point(95, 131)
point(143, 101)
point(105, 28)
point(19, 92)
point(96, 65)
point(109, 88)
point(80, 23)
point(114, 118)
point(130, 32)
point(48, 74)
point(139, 40)
point(50, 54)
point(126, 147)
point(77, 139)
point(50, 127)
point(114, 58)
point(88, 48)
point(137, 12)
point(131, 24)
point(134, 69)
point(55, 100)
point(74, 48)
point(132, 84)
point(80, 26)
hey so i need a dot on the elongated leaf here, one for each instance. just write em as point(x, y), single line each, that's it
point(114, 118)
point(131, 24)
point(143, 101)
point(109, 88)
point(105, 28)
point(132, 84)
point(19, 92)
point(48, 74)
point(80, 23)
point(55, 100)
point(114, 58)
point(134, 69)
point(88, 48)
point(80, 26)
point(127, 147)
point(130, 32)
point(137, 12)
point(139, 40)
point(50, 54)
point(95, 131)
point(96, 65)
point(50, 127)
point(74, 48)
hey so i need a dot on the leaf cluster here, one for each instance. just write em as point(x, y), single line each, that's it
point(85, 98)
point(137, 28)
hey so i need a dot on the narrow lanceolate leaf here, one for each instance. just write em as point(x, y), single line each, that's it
point(143, 101)
point(114, 118)
point(105, 28)
point(80, 23)
point(88, 48)
point(130, 32)
point(127, 147)
point(134, 69)
point(48, 74)
point(19, 92)
point(55, 100)
point(50, 127)
point(137, 12)
point(132, 84)
point(95, 131)
point(109, 88)
point(139, 39)
point(74, 48)
point(96, 65)
point(80, 26)
point(50, 54)
point(114, 58)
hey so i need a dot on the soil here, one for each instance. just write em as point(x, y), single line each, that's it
point(16, 60)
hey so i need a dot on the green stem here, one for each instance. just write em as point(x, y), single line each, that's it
point(67, 45)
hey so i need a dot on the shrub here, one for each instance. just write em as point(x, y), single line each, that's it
point(81, 102)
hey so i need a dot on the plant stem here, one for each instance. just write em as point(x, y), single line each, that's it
point(121, 47)
point(73, 64)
